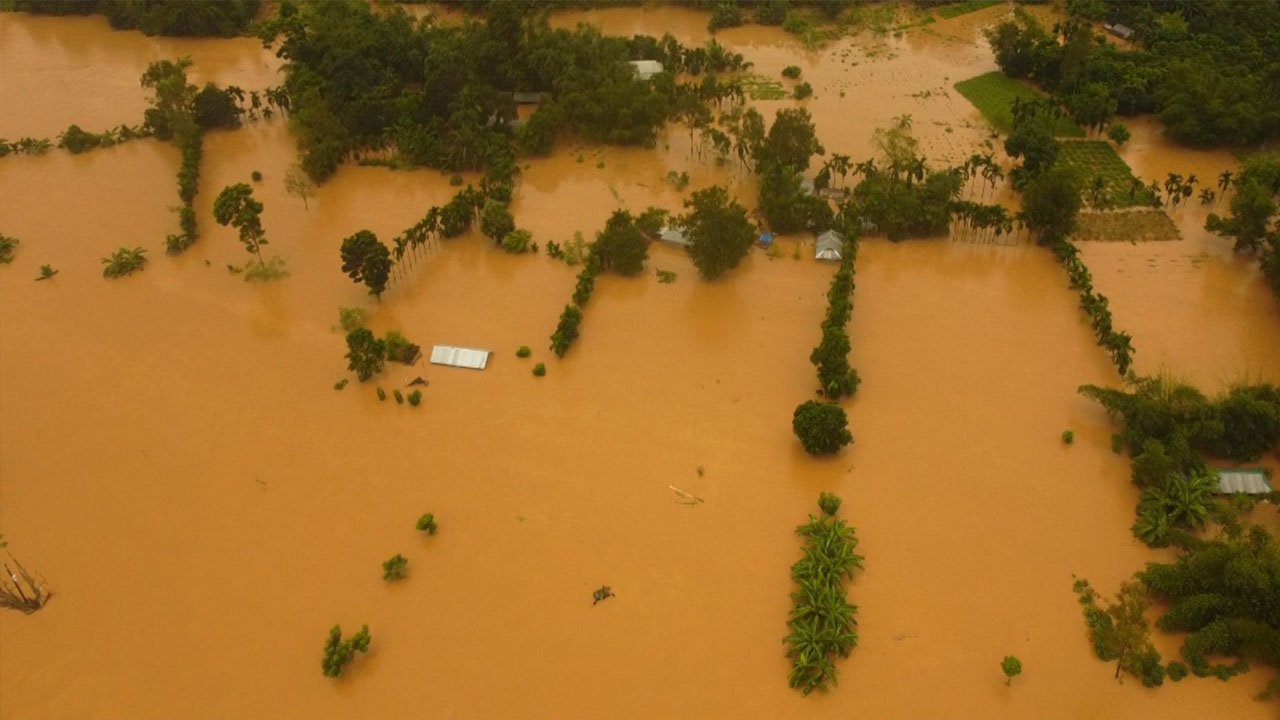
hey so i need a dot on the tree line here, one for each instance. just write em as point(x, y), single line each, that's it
point(224, 18)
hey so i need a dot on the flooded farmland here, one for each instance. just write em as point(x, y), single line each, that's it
point(174, 460)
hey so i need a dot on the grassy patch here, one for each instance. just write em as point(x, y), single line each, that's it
point(964, 8)
point(1144, 225)
point(993, 94)
point(1096, 159)
point(759, 87)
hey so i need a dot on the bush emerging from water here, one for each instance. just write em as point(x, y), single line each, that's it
point(415, 398)
point(523, 351)
point(366, 354)
point(791, 71)
point(382, 395)
point(829, 503)
point(350, 319)
point(340, 384)
point(124, 261)
point(427, 524)
point(539, 370)
point(802, 91)
point(1068, 437)
point(822, 428)
point(396, 568)
point(338, 652)
point(399, 396)
point(566, 331)
point(8, 246)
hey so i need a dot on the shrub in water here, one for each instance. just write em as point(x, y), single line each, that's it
point(523, 351)
point(350, 319)
point(338, 652)
point(395, 568)
point(1012, 667)
point(427, 524)
point(398, 396)
point(823, 429)
point(1068, 437)
point(257, 176)
point(539, 370)
point(829, 503)
point(803, 90)
point(415, 398)
point(791, 71)
point(340, 384)
point(382, 394)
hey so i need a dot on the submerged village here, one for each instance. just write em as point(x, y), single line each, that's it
point(715, 358)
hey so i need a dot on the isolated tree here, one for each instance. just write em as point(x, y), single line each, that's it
point(1118, 133)
point(365, 259)
point(366, 353)
point(338, 652)
point(1012, 667)
point(823, 429)
point(298, 184)
point(718, 229)
point(621, 246)
point(236, 207)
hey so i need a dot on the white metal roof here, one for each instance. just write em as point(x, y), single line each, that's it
point(673, 235)
point(828, 246)
point(1251, 482)
point(646, 68)
point(459, 357)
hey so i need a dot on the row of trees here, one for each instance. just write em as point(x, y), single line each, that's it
point(836, 378)
point(157, 17)
point(1207, 71)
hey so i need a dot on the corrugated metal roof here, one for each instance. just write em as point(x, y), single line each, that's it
point(673, 235)
point(828, 246)
point(459, 357)
point(1251, 482)
point(646, 68)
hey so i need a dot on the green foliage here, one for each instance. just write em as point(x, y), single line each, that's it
point(894, 201)
point(724, 13)
point(539, 370)
point(519, 241)
point(339, 652)
point(340, 384)
point(718, 230)
point(585, 285)
point(366, 259)
point(46, 273)
point(829, 503)
point(415, 398)
point(427, 524)
point(1118, 134)
point(802, 91)
point(1118, 344)
point(1068, 437)
point(666, 276)
point(1176, 671)
point(351, 318)
point(1096, 160)
point(791, 141)
point(273, 268)
point(1253, 210)
point(298, 184)
point(382, 395)
point(365, 353)
point(822, 619)
point(1011, 667)
point(1223, 592)
point(124, 261)
point(523, 351)
point(791, 71)
point(1051, 203)
point(831, 357)
point(621, 246)
point(398, 348)
point(236, 206)
point(496, 221)
point(255, 176)
point(1177, 501)
point(399, 396)
point(964, 8)
point(395, 568)
point(566, 331)
point(1120, 632)
point(994, 95)
point(77, 141)
point(8, 248)
point(823, 429)
point(214, 107)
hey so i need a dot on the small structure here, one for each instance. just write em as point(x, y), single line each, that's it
point(1249, 482)
point(529, 98)
point(673, 235)
point(459, 357)
point(829, 246)
point(646, 69)
point(766, 240)
point(806, 186)
point(1124, 32)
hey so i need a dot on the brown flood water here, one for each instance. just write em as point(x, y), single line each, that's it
point(174, 460)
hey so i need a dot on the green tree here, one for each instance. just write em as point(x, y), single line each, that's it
point(566, 330)
point(170, 112)
point(621, 246)
point(1120, 632)
point(1051, 203)
point(214, 107)
point(1012, 667)
point(1118, 133)
point(792, 141)
point(823, 429)
point(365, 259)
point(496, 221)
point(718, 229)
point(298, 184)
point(338, 652)
point(235, 206)
point(366, 354)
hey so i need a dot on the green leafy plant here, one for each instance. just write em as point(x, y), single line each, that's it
point(539, 370)
point(351, 319)
point(399, 396)
point(256, 176)
point(523, 351)
point(792, 72)
point(823, 429)
point(338, 652)
point(566, 330)
point(366, 354)
point(382, 395)
point(802, 91)
point(1068, 437)
point(395, 568)
point(46, 273)
point(415, 398)
point(7, 247)
point(124, 261)
point(427, 524)
point(340, 384)
point(666, 276)
point(1012, 667)
point(829, 503)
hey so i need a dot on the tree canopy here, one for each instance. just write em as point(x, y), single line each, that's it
point(718, 229)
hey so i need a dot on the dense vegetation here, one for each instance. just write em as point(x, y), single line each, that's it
point(8, 247)
point(1254, 221)
point(719, 232)
point(831, 357)
point(1210, 71)
point(157, 17)
point(823, 428)
point(822, 618)
point(382, 83)
point(338, 652)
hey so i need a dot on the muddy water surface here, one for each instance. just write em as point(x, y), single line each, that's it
point(174, 459)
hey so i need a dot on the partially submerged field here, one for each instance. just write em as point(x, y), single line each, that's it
point(174, 460)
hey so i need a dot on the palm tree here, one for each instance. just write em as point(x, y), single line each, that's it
point(903, 121)
point(1172, 187)
point(1096, 188)
point(1207, 196)
point(1225, 180)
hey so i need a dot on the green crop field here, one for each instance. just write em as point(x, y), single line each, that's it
point(993, 94)
point(1095, 159)
point(1139, 225)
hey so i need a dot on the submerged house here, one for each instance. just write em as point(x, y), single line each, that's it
point(1124, 32)
point(829, 246)
point(646, 69)
point(1249, 482)
point(673, 235)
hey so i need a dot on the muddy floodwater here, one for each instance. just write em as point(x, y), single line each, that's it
point(174, 460)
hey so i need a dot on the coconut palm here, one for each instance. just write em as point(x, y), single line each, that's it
point(1225, 180)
